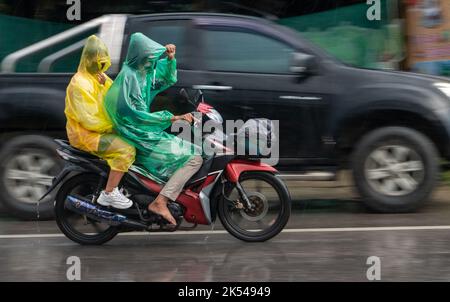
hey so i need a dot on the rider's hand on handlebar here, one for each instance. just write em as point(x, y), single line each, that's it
point(187, 117)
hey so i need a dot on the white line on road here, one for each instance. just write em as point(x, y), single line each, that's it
point(307, 230)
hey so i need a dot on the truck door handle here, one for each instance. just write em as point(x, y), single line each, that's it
point(212, 87)
point(301, 98)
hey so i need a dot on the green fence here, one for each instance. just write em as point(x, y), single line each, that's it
point(17, 33)
point(347, 34)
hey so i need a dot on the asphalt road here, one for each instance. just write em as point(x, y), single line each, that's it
point(329, 238)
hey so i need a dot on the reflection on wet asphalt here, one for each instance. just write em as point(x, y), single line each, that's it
point(296, 255)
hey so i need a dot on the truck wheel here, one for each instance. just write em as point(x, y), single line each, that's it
point(395, 169)
point(28, 164)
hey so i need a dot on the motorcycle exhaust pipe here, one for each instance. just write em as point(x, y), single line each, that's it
point(84, 207)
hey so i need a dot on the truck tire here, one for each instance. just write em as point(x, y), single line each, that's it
point(395, 169)
point(28, 164)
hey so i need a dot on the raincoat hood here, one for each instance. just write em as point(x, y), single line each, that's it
point(142, 50)
point(95, 56)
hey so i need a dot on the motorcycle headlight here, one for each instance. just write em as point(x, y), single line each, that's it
point(444, 87)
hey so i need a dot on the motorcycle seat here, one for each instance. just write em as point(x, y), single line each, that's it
point(77, 152)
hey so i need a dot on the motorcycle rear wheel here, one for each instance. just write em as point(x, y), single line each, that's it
point(84, 185)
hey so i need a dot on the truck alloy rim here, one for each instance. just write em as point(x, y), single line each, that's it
point(394, 170)
point(28, 175)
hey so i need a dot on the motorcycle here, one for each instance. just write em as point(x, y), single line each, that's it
point(251, 201)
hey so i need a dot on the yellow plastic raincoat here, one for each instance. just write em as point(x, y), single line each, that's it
point(88, 125)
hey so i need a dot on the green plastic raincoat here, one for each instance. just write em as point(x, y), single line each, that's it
point(128, 101)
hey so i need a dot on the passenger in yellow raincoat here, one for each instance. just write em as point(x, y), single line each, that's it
point(88, 125)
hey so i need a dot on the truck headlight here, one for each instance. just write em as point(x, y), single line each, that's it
point(444, 87)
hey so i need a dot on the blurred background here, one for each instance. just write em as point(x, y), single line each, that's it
point(410, 35)
point(326, 70)
point(340, 27)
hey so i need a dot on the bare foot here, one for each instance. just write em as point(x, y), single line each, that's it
point(161, 208)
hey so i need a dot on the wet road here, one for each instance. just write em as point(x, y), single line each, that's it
point(329, 238)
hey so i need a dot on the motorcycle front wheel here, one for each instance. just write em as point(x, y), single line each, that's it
point(76, 227)
point(271, 207)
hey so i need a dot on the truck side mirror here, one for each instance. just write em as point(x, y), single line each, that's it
point(302, 63)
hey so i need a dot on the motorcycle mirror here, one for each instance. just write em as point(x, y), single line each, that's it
point(200, 97)
point(184, 94)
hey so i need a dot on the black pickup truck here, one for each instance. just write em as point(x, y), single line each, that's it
point(390, 128)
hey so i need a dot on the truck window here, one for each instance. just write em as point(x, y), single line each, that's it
point(235, 51)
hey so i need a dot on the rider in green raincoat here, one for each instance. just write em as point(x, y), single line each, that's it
point(127, 103)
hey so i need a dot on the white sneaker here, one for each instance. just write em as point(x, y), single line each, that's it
point(114, 199)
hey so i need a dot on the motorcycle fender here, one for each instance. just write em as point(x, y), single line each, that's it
point(61, 176)
point(235, 168)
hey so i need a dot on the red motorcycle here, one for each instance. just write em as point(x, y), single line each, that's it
point(252, 202)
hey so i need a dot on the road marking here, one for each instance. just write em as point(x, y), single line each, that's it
point(307, 230)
